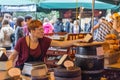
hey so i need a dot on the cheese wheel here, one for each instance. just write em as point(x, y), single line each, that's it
point(14, 72)
point(68, 63)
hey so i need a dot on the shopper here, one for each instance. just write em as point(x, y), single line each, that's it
point(5, 33)
point(116, 25)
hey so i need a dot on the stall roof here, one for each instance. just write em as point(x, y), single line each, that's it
point(66, 4)
point(15, 2)
point(116, 2)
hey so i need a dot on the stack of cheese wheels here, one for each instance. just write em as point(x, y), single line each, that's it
point(63, 74)
point(112, 43)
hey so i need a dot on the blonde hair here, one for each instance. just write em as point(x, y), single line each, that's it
point(116, 22)
point(46, 20)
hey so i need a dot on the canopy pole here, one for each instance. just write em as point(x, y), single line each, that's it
point(76, 9)
point(80, 14)
point(93, 5)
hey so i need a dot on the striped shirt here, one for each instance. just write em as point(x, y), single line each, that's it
point(103, 30)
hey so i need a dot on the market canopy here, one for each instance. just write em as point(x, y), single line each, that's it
point(116, 2)
point(67, 4)
point(17, 5)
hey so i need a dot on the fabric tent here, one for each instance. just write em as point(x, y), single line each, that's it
point(17, 5)
point(66, 4)
point(116, 2)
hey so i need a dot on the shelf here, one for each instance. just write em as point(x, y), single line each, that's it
point(53, 55)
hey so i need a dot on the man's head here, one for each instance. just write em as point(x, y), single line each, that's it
point(7, 16)
point(28, 18)
point(5, 22)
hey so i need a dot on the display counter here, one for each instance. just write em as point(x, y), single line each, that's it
point(112, 71)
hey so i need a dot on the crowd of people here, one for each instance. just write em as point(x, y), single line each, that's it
point(26, 35)
point(11, 30)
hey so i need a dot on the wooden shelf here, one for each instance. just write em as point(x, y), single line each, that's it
point(53, 55)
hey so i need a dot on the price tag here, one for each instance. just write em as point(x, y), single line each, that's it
point(87, 38)
point(100, 51)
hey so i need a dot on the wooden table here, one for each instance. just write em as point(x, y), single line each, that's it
point(25, 77)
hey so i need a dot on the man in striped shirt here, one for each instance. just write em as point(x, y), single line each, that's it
point(103, 28)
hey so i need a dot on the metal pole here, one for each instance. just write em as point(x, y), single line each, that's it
point(93, 4)
point(76, 9)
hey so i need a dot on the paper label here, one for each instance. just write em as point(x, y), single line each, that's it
point(100, 51)
point(87, 38)
point(1, 53)
point(62, 59)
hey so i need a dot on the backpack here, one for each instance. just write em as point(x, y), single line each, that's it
point(12, 37)
point(20, 33)
point(47, 28)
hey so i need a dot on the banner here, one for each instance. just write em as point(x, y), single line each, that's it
point(18, 8)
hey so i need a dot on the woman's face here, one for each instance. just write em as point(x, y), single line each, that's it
point(23, 23)
point(39, 32)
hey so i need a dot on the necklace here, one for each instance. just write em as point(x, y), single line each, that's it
point(33, 43)
point(33, 40)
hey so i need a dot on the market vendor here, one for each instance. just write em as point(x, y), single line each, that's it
point(116, 25)
point(34, 47)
